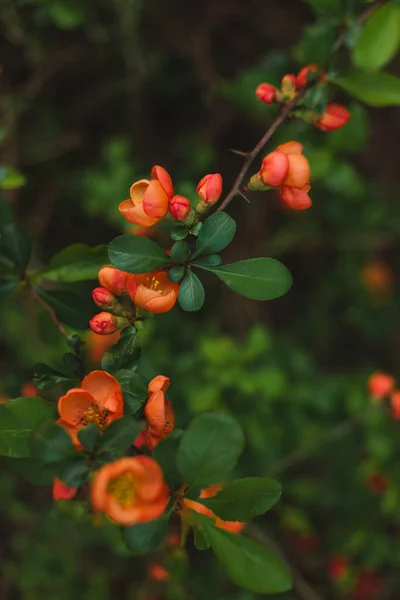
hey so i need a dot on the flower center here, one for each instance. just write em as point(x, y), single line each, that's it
point(94, 415)
point(153, 284)
point(123, 489)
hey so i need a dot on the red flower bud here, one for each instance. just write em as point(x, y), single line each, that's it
point(209, 189)
point(103, 298)
point(266, 93)
point(334, 117)
point(380, 385)
point(274, 168)
point(288, 84)
point(180, 208)
point(303, 76)
point(62, 491)
point(105, 323)
point(113, 279)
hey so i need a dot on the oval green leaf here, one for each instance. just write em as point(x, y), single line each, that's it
point(380, 38)
point(244, 499)
point(209, 449)
point(373, 88)
point(18, 419)
point(216, 233)
point(136, 254)
point(145, 537)
point(78, 262)
point(120, 434)
point(191, 292)
point(16, 245)
point(255, 278)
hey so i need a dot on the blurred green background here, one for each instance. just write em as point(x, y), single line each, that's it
point(92, 95)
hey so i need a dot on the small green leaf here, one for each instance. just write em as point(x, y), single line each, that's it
point(75, 263)
point(244, 499)
point(145, 537)
point(176, 273)
point(16, 245)
point(13, 180)
point(125, 354)
point(180, 252)
point(380, 37)
point(255, 278)
point(89, 437)
point(136, 254)
point(33, 470)
point(209, 449)
point(120, 434)
point(74, 472)
point(19, 417)
point(191, 292)
point(200, 540)
point(51, 443)
point(165, 454)
point(249, 564)
point(212, 260)
point(373, 88)
point(134, 390)
point(180, 232)
point(46, 378)
point(74, 365)
point(216, 233)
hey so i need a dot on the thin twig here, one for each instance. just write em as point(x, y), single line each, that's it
point(50, 311)
point(287, 109)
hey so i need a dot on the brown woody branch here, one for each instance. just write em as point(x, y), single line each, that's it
point(50, 311)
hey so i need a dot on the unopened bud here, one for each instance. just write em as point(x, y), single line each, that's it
point(209, 188)
point(288, 85)
point(62, 491)
point(103, 298)
point(380, 384)
point(266, 93)
point(305, 75)
point(274, 168)
point(105, 323)
point(334, 117)
point(113, 279)
point(256, 184)
point(180, 208)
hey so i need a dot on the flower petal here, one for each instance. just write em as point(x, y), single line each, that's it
point(155, 200)
point(74, 404)
point(106, 390)
point(135, 214)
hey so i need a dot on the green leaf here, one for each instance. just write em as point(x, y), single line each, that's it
point(51, 443)
point(33, 470)
point(191, 292)
point(120, 434)
point(124, 354)
point(255, 278)
point(209, 449)
point(244, 499)
point(7, 286)
point(216, 233)
point(200, 541)
point(249, 564)
point(74, 472)
point(380, 38)
point(89, 437)
point(212, 260)
point(180, 252)
point(165, 454)
point(46, 378)
point(74, 365)
point(136, 254)
point(134, 390)
point(75, 263)
point(373, 88)
point(16, 245)
point(66, 14)
point(19, 417)
point(72, 304)
point(176, 273)
point(145, 537)
point(13, 180)
point(180, 232)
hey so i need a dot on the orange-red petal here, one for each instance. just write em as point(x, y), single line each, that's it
point(135, 214)
point(105, 389)
point(73, 406)
point(155, 200)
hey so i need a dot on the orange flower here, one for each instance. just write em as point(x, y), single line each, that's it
point(62, 491)
point(97, 345)
point(212, 490)
point(98, 400)
point(209, 188)
point(274, 168)
point(113, 279)
point(180, 208)
point(158, 413)
point(157, 572)
point(29, 390)
point(303, 75)
point(153, 291)
point(334, 117)
point(380, 385)
point(105, 323)
point(266, 93)
point(103, 298)
point(149, 200)
point(130, 490)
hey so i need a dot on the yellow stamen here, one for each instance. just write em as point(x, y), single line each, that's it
point(153, 283)
point(94, 415)
point(123, 489)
